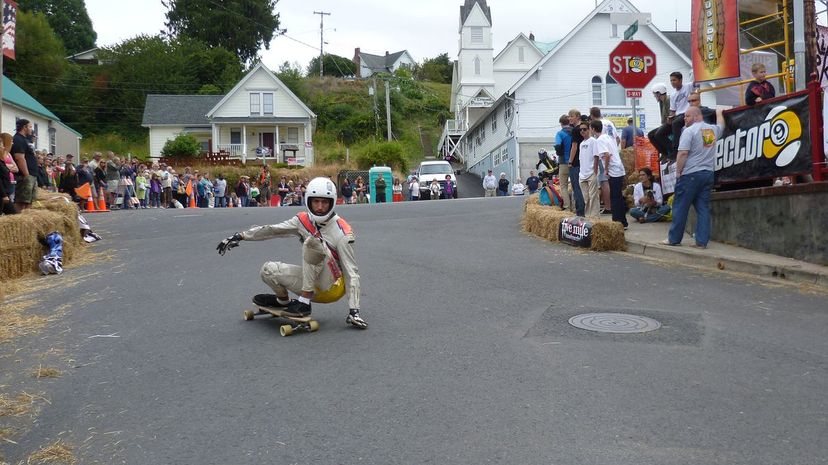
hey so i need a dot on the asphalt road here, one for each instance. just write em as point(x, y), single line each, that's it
point(469, 358)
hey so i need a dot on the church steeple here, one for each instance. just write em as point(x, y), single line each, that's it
point(465, 11)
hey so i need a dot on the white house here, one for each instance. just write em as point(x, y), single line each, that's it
point(506, 135)
point(51, 133)
point(259, 112)
point(367, 64)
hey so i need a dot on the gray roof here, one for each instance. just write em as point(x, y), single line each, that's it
point(680, 39)
point(379, 62)
point(184, 110)
point(466, 9)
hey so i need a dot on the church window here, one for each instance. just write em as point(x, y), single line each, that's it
point(616, 95)
point(507, 114)
point(477, 34)
point(521, 54)
point(477, 66)
point(494, 121)
point(597, 91)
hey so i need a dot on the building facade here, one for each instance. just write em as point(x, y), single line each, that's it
point(260, 117)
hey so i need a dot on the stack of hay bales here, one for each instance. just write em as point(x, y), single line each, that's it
point(545, 221)
point(21, 250)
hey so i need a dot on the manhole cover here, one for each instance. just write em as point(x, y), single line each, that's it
point(614, 323)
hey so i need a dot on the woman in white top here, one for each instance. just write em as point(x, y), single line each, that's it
point(649, 203)
point(518, 187)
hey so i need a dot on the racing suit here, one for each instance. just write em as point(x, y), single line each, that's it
point(327, 252)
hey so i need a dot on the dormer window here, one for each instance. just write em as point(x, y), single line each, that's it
point(255, 104)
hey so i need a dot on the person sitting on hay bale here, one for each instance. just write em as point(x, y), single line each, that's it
point(649, 202)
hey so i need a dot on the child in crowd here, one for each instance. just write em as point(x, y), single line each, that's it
point(760, 89)
point(141, 186)
point(155, 191)
point(434, 188)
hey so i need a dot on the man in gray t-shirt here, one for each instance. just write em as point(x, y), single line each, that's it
point(694, 170)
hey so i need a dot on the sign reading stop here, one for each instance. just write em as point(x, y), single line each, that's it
point(632, 64)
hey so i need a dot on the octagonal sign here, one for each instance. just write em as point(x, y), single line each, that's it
point(632, 64)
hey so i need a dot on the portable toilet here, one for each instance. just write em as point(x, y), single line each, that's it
point(373, 174)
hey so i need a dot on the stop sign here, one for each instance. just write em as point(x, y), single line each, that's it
point(632, 64)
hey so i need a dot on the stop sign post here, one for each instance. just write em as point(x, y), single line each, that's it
point(633, 66)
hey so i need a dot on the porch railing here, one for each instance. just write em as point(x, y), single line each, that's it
point(234, 150)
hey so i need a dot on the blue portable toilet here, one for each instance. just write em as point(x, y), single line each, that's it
point(375, 173)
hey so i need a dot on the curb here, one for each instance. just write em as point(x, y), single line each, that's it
point(795, 272)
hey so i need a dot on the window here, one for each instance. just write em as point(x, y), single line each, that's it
point(477, 34)
point(616, 95)
point(507, 115)
point(205, 146)
point(235, 136)
point(597, 91)
point(52, 140)
point(477, 66)
point(293, 135)
point(494, 121)
point(521, 54)
point(255, 104)
point(267, 104)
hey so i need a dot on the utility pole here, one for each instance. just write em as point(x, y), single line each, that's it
point(322, 15)
point(388, 107)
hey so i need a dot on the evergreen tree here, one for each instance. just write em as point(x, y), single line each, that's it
point(69, 19)
point(241, 26)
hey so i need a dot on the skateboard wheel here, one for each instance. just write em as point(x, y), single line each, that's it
point(248, 315)
point(286, 330)
point(314, 325)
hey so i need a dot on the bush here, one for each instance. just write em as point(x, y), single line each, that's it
point(184, 145)
point(383, 154)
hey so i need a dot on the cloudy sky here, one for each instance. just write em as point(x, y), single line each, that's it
point(426, 28)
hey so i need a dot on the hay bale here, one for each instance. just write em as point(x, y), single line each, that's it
point(21, 250)
point(546, 221)
point(608, 235)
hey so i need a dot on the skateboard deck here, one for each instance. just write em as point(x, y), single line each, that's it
point(297, 323)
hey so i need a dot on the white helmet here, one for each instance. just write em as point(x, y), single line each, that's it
point(660, 88)
point(320, 188)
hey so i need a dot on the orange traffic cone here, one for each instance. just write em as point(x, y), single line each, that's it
point(192, 202)
point(102, 204)
point(90, 205)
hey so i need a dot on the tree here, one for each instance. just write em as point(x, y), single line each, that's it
point(69, 19)
point(184, 145)
point(437, 69)
point(41, 58)
point(335, 65)
point(241, 26)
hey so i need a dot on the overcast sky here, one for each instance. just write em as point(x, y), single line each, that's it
point(426, 28)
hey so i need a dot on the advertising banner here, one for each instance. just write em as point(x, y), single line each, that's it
point(576, 231)
point(766, 141)
point(714, 26)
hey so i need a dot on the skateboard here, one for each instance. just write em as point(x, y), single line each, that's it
point(297, 323)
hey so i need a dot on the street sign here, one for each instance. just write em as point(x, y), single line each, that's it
point(632, 64)
point(630, 32)
point(634, 93)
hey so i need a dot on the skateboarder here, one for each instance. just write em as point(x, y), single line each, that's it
point(328, 261)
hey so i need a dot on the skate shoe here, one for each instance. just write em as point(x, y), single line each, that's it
point(267, 300)
point(298, 308)
point(356, 320)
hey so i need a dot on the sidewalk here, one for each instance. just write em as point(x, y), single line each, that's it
point(645, 239)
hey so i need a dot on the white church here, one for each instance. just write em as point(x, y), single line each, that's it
point(507, 105)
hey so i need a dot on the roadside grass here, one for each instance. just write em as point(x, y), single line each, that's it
point(120, 144)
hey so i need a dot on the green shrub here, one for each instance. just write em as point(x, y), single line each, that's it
point(383, 153)
point(184, 145)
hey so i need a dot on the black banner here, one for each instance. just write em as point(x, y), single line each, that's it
point(766, 141)
point(576, 231)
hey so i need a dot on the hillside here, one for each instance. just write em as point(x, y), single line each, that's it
point(346, 118)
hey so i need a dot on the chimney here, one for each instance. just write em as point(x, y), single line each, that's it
point(386, 53)
point(358, 62)
point(531, 36)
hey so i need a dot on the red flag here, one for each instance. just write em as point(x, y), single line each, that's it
point(9, 27)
